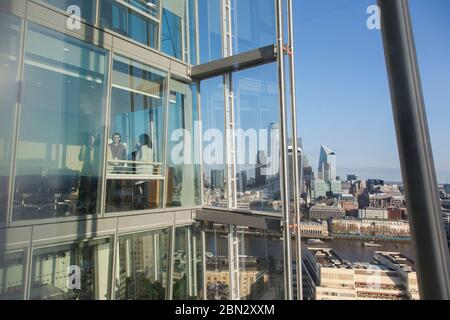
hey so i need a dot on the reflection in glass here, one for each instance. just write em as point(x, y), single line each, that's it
point(192, 33)
point(135, 152)
point(12, 274)
point(183, 165)
point(150, 7)
point(173, 15)
point(253, 24)
point(131, 21)
point(87, 7)
point(214, 168)
point(257, 144)
point(187, 264)
point(218, 279)
point(142, 266)
point(10, 29)
point(72, 272)
point(210, 30)
point(260, 264)
point(60, 145)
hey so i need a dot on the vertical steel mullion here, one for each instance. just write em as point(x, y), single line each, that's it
point(414, 146)
point(234, 283)
point(169, 292)
point(197, 38)
point(28, 267)
point(297, 171)
point(97, 13)
point(284, 187)
point(106, 133)
point(200, 142)
point(158, 43)
point(166, 135)
point(203, 239)
point(115, 257)
point(190, 240)
point(187, 48)
point(237, 270)
point(16, 120)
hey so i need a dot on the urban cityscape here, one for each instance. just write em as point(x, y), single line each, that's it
point(149, 150)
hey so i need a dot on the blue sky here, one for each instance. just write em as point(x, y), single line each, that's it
point(342, 87)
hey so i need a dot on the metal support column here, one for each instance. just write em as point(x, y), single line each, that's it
point(414, 145)
point(297, 171)
point(284, 186)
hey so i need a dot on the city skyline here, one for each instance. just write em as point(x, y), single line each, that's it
point(342, 88)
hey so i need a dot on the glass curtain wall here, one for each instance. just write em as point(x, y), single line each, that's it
point(257, 133)
point(138, 20)
point(142, 266)
point(12, 275)
point(10, 30)
point(213, 124)
point(217, 273)
point(135, 153)
point(210, 37)
point(183, 163)
point(60, 135)
point(187, 264)
point(253, 24)
point(261, 272)
point(87, 7)
point(78, 271)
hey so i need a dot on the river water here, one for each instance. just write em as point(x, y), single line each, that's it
point(354, 251)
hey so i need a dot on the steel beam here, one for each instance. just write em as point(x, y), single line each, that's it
point(234, 63)
point(414, 146)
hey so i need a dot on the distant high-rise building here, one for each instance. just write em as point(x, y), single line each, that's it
point(352, 177)
point(321, 188)
point(373, 185)
point(241, 182)
point(261, 162)
point(327, 164)
point(217, 179)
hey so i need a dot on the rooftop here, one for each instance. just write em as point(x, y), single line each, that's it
point(398, 260)
point(327, 258)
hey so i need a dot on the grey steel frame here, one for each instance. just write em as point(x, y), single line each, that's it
point(284, 182)
point(296, 167)
point(414, 145)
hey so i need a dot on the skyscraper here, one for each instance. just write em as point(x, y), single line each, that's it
point(327, 164)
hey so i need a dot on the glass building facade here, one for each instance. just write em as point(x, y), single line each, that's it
point(121, 176)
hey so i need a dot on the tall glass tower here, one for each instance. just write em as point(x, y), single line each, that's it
point(327, 164)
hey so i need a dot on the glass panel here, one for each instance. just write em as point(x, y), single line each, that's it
point(187, 264)
point(210, 24)
point(12, 275)
point(173, 17)
point(183, 171)
point(257, 138)
point(261, 267)
point(135, 153)
point(142, 266)
point(129, 22)
point(88, 7)
point(150, 7)
point(61, 140)
point(10, 30)
point(192, 38)
point(218, 279)
point(213, 123)
point(253, 24)
point(72, 272)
